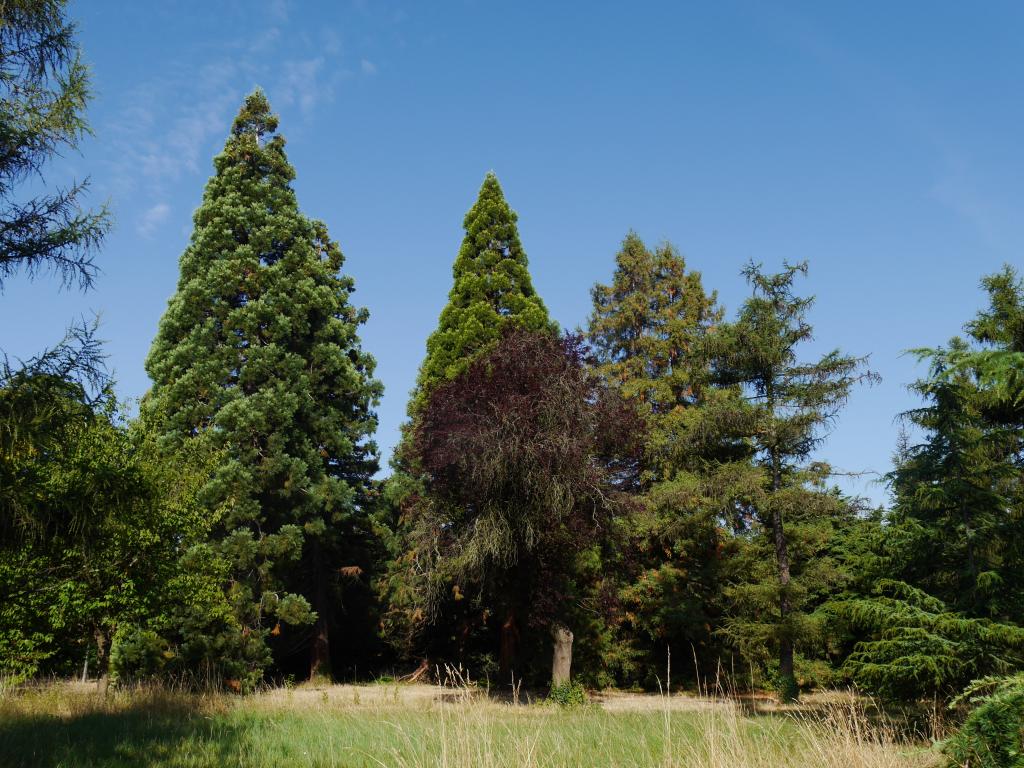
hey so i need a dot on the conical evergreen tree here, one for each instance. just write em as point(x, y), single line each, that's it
point(649, 330)
point(492, 287)
point(258, 356)
point(955, 529)
point(791, 513)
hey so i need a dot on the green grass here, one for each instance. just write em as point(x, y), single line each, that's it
point(353, 727)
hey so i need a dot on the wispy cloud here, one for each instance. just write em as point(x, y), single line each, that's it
point(331, 41)
point(302, 85)
point(152, 218)
point(153, 146)
point(169, 126)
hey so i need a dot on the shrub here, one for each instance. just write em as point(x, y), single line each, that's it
point(812, 674)
point(992, 736)
point(916, 647)
point(138, 653)
point(568, 694)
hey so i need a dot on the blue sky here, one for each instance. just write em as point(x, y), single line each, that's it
point(880, 141)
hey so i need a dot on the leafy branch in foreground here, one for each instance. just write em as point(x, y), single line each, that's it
point(991, 735)
point(44, 88)
point(78, 358)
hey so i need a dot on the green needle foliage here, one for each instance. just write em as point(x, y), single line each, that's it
point(491, 289)
point(953, 537)
point(649, 331)
point(788, 405)
point(71, 497)
point(956, 525)
point(258, 357)
point(999, 365)
point(916, 647)
point(44, 88)
point(992, 736)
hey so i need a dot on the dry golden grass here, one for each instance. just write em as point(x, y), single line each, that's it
point(419, 726)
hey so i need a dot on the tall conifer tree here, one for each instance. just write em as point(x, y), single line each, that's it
point(649, 330)
point(955, 529)
point(491, 288)
point(258, 355)
point(788, 403)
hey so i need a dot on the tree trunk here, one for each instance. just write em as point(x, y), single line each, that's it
point(561, 658)
point(972, 566)
point(509, 645)
point(787, 680)
point(320, 650)
point(102, 664)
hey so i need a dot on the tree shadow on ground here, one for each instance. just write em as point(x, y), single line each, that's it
point(162, 737)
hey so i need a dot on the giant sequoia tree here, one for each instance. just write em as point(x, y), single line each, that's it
point(258, 356)
point(491, 288)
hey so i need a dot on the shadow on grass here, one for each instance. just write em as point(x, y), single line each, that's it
point(162, 737)
point(904, 723)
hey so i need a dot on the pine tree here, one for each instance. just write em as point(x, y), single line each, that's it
point(491, 288)
point(788, 403)
point(258, 355)
point(648, 325)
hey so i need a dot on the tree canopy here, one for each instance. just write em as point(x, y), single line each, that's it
point(258, 357)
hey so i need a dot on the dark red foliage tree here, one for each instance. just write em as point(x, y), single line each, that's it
point(527, 456)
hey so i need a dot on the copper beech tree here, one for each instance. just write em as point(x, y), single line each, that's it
point(527, 456)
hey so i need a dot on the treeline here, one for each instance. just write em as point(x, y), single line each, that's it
point(649, 486)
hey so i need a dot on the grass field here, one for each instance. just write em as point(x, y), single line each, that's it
point(377, 725)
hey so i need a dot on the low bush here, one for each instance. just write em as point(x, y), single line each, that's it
point(992, 736)
point(568, 694)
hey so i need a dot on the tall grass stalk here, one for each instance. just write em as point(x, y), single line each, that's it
point(416, 726)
